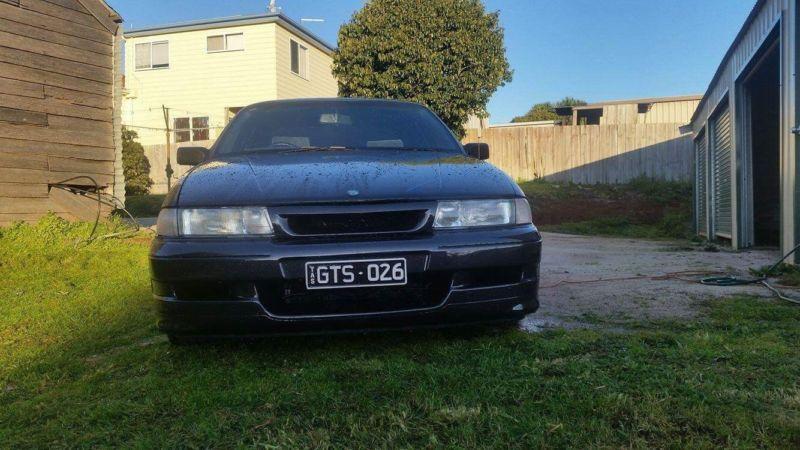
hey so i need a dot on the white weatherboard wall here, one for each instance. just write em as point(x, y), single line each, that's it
point(198, 83)
point(319, 82)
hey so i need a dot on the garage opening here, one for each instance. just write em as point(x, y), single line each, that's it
point(763, 92)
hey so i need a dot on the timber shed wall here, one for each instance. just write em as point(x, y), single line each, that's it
point(59, 116)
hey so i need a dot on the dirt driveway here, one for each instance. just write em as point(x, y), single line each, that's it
point(567, 259)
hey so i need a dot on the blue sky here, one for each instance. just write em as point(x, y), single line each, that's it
point(590, 49)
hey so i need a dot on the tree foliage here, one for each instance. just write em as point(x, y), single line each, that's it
point(546, 111)
point(135, 164)
point(446, 54)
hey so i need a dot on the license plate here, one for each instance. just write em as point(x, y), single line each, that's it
point(356, 273)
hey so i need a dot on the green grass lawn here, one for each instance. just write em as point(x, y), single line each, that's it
point(81, 364)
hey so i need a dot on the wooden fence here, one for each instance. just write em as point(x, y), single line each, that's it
point(589, 154)
point(585, 154)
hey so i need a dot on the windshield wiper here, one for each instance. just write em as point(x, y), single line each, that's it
point(413, 149)
point(317, 149)
point(290, 149)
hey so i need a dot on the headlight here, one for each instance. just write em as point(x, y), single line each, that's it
point(214, 222)
point(482, 213)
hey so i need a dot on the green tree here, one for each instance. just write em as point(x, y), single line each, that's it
point(135, 165)
point(539, 111)
point(446, 54)
point(546, 111)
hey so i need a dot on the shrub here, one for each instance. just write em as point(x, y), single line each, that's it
point(135, 165)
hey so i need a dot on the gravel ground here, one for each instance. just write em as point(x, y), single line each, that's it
point(568, 259)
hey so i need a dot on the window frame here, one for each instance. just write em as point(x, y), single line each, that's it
point(224, 37)
point(150, 45)
point(301, 50)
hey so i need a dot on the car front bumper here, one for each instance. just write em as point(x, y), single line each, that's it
point(222, 287)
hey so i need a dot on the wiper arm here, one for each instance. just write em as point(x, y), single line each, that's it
point(317, 149)
point(288, 149)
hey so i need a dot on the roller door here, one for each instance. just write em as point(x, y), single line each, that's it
point(721, 145)
point(701, 184)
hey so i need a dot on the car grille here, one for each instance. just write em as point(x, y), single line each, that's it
point(290, 298)
point(355, 223)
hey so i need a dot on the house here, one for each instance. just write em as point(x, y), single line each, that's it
point(745, 136)
point(677, 110)
point(60, 84)
point(193, 77)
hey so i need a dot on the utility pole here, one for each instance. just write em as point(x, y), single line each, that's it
point(168, 169)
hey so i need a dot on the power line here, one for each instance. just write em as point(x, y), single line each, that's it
point(142, 127)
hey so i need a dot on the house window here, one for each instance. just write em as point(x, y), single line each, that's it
point(231, 112)
point(191, 129)
point(299, 59)
point(152, 55)
point(225, 43)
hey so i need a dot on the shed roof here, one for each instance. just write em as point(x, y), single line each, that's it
point(104, 13)
point(721, 68)
point(221, 22)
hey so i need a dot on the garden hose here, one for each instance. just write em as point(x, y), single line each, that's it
point(763, 280)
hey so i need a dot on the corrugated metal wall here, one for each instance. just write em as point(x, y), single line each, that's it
point(721, 147)
point(767, 16)
point(701, 185)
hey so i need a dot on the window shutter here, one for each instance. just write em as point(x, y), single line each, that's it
point(143, 56)
point(160, 54)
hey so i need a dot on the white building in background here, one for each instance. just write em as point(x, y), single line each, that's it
point(205, 71)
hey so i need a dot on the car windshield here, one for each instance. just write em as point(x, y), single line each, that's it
point(335, 125)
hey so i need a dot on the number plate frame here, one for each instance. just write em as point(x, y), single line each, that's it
point(360, 272)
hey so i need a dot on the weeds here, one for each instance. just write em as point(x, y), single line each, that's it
point(787, 275)
point(615, 210)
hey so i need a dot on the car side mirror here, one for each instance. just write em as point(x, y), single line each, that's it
point(192, 156)
point(477, 150)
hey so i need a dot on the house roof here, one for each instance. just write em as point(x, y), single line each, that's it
point(233, 21)
point(679, 98)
